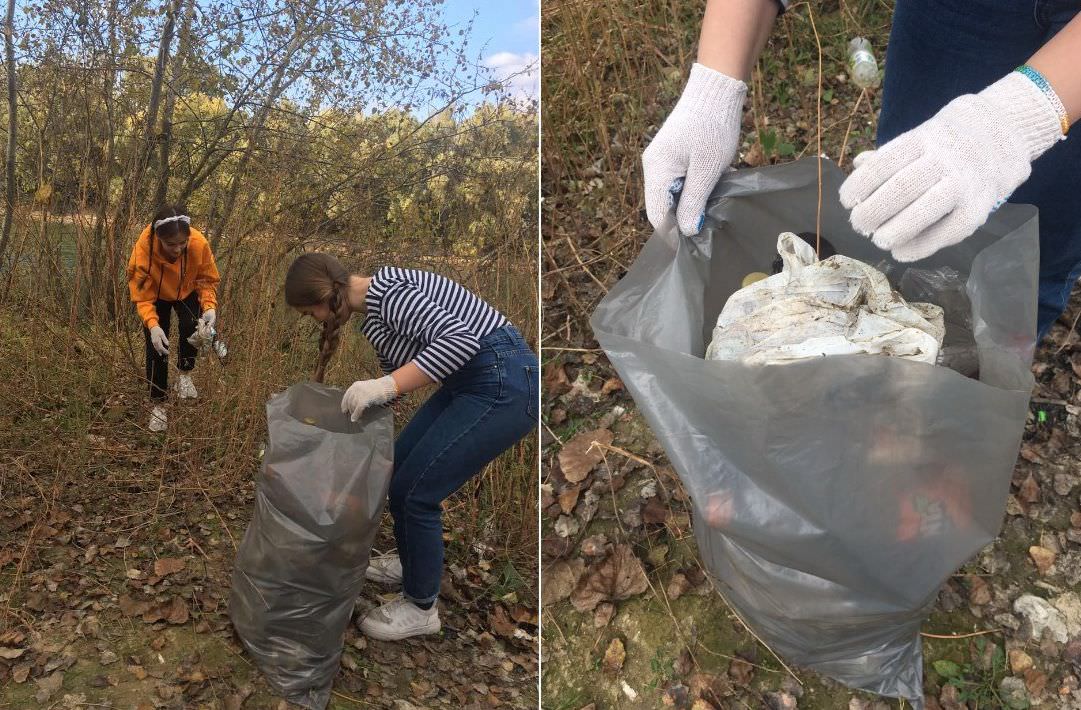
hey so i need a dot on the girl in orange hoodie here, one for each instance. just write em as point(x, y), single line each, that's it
point(171, 269)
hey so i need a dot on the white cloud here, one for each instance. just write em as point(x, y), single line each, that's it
point(529, 27)
point(520, 73)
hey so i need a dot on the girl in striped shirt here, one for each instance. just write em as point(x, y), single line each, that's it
point(426, 329)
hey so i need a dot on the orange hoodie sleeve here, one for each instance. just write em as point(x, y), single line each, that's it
point(206, 280)
point(141, 284)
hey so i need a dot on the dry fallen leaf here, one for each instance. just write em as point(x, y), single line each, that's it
point(741, 672)
point(48, 685)
point(236, 700)
point(603, 614)
point(560, 579)
point(568, 498)
point(12, 637)
point(979, 592)
point(174, 611)
point(595, 545)
point(166, 566)
point(11, 653)
point(654, 511)
point(20, 673)
point(614, 656)
point(612, 384)
point(1029, 491)
point(130, 607)
point(1043, 558)
point(500, 623)
point(555, 379)
point(577, 459)
point(677, 586)
point(618, 576)
point(1035, 682)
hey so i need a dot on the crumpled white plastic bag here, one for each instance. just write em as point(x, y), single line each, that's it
point(838, 306)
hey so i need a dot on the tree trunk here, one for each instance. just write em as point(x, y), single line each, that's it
point(133, 187)
point(9, 198)
point(162, 191)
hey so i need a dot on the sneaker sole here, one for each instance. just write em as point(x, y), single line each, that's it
point(380, 635)
point(381, 579)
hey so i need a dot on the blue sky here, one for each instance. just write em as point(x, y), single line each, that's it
point(505, 35)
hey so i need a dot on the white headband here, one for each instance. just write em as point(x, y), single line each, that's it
point(178, 218)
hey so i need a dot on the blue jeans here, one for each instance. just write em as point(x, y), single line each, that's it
point(940, 49)
point(479, 412)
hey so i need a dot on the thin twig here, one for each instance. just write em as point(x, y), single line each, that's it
point(851, 116)
point(1069, 336)
point(818, 104)
point(570, 243)
point(960, 636)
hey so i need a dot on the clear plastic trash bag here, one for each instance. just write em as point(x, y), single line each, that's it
point(832, 496)
point(318, 504)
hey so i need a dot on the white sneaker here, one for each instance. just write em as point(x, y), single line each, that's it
point(400, 619)
point(186, 388)
point(385, 569)
point(159, 420)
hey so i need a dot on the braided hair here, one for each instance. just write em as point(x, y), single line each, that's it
point(316, 279)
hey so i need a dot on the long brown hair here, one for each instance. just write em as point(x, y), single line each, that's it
point(314, 279)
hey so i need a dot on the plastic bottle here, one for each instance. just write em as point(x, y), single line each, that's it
point(862, 64)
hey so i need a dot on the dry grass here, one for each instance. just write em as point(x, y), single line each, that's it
point(613, 71)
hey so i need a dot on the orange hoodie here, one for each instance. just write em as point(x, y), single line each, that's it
point(151, 277)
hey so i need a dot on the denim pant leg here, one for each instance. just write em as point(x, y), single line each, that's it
point(491, 407)
point(413, 432)
point(940, 49)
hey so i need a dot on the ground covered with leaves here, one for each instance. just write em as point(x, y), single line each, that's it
point(630, 618)
point(117, 545)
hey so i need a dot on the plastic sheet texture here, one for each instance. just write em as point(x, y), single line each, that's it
point(319, 499)
point(833, 496)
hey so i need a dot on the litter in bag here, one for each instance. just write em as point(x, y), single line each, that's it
point(837, 306)
point(318, 503)
point(832, 496)
point(946, 288)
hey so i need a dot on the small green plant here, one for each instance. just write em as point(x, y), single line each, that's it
point(771, 146)
point(662, 670)
point(975, 683)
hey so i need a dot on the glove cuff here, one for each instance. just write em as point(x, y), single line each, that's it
point(1033, 120)
point(390, 387)
point(707, 89)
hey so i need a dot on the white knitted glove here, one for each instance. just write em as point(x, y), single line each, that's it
point(210, 316)
point(933, 186)
point(697, 141)
point(158, 341)
point(368, 393)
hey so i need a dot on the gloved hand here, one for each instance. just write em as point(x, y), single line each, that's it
point(933, 186)
point(210, 317)
point(158, 340)
point(368, 393)
point(698, 140)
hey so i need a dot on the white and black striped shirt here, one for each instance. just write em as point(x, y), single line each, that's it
point(418, 316)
